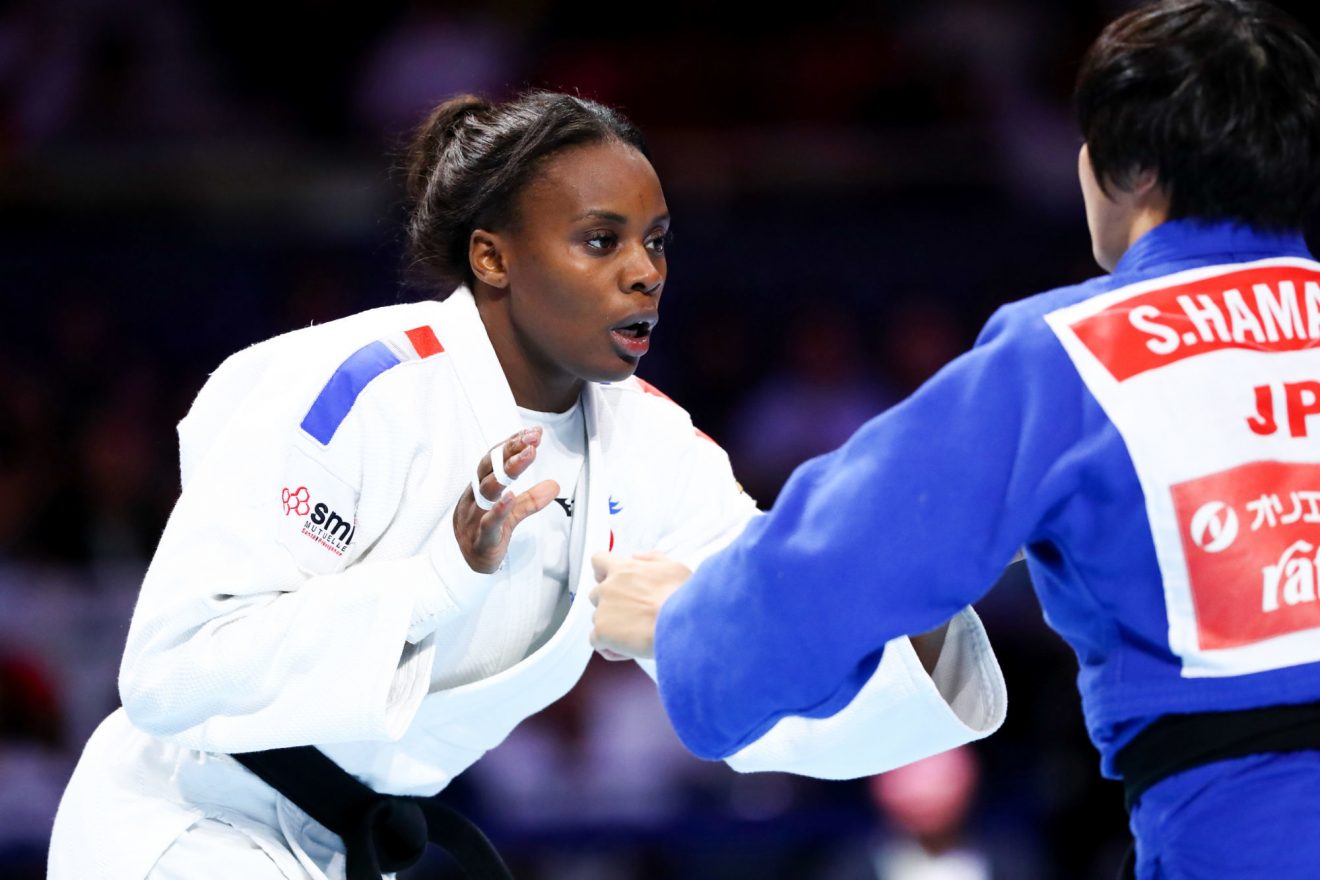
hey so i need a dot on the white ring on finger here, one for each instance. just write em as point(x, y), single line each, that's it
point(497, 467)
point(501, 477)
point(482, 501)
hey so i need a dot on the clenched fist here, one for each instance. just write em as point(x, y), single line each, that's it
point(628, 598)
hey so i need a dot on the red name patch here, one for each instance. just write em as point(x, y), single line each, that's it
point(1273, 308)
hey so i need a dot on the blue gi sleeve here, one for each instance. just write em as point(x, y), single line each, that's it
point(891, 534)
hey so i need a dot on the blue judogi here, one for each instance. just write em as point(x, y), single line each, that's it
point(1009, 447)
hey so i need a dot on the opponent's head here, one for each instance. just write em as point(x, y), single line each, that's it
point(548, 207)
point(1205, 109)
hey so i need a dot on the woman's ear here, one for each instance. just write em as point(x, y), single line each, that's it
point(486, 257)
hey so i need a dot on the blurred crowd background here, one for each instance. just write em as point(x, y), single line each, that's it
point(855, 188)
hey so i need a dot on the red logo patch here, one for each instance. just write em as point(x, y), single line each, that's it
point(1251, 536)
point(297, 501)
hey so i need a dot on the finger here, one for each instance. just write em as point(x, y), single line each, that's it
point(527, 438)
point(491, 487)
point(650, 556)
point(602, 563)
point(594, 596)
point(511, 447)
point(484, 468)
point(534, 499)
point(490, 530)
point(481, 492)
point(611, 655)
point(517, 463)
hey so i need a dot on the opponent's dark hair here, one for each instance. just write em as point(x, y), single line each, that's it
point(1220, 98)
point(470, 159)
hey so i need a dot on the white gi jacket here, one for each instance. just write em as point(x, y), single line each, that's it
point(314, 531)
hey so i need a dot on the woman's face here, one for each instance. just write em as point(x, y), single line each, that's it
point(585, 263)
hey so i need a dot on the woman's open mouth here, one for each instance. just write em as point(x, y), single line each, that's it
point(633, 340)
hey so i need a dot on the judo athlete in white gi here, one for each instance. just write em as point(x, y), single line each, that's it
point(330, 578)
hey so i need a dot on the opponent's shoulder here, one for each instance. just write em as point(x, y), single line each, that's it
point(1021, 329)
point(1027, 316)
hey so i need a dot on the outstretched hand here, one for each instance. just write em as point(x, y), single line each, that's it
point(628, 599)
point(483, 535)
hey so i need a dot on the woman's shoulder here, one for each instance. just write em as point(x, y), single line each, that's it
point(636, 398)
point(315, 376)
point(381, 337)
point(641, 409)
point(333, 341)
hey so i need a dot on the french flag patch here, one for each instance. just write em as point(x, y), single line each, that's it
point(336, 399)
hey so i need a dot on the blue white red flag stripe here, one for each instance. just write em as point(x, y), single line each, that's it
point(336, 399)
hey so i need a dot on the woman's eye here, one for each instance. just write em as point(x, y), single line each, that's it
point(660, 244)
point(602, 241)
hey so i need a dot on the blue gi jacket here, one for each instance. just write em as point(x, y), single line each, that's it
point(918, 513)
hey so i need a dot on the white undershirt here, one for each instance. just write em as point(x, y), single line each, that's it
point(560, 458)
point(512, 622)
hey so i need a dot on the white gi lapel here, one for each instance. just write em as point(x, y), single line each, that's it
point(591, 530)
point(480, 375)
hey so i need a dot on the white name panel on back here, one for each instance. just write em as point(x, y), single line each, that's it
point(1212, 378)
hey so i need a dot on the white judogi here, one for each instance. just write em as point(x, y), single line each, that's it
point(309, 589)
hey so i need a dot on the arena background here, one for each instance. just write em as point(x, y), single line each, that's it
point(854, 189)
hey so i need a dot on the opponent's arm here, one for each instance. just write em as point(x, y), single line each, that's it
point(931, 692)
point(910, 521)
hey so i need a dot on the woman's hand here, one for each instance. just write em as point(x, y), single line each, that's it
point(483, 535)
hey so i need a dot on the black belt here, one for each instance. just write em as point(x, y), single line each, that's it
point(1176, 743)
point(382, 833)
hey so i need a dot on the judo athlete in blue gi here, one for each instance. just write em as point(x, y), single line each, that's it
point(1151, 438)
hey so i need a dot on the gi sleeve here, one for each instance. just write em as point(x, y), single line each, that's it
point(260, 624)
point(892, 534)
point(900, 715)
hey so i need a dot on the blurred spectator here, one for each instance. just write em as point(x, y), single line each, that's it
point(129, 71)
point(606, 748)
point(918, 336)
point(33, 770)
point(40, 70)
point(28, 432)
point(812, 403)
point(146, 75)
point(924, 833)
point(436, 51)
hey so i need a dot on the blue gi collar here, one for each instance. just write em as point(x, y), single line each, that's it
point(1178, 241)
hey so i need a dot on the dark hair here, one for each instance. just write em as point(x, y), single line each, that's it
point(1220, 98)
point(470, 159)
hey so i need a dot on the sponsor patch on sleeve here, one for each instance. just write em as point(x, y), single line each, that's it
point(317, 515)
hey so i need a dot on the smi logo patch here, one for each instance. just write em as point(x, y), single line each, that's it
point(328, 528)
